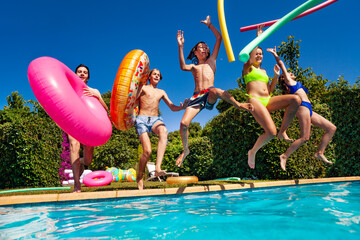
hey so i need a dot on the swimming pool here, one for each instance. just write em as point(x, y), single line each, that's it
point(318, 211)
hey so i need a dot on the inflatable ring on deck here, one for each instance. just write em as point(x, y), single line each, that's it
point(133, 72)
point(60, 92)
point(98, 178)
point(183, 179)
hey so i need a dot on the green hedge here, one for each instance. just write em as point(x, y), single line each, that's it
point(198, 163)
point(347, 137)
point(30, 153)
point(120, 151)
point(234, 132)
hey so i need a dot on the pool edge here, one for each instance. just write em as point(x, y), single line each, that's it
point(61, 197)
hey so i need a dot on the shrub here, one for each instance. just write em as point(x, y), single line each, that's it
point(30, 153)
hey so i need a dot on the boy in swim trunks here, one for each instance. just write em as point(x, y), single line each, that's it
point(205, 94)
point(148, 121)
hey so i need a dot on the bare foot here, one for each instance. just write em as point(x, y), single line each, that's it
point(251, 159)
point(285, 137)
point(247, 106)
point(140, 183)
point(182, 157)
point(77, 187)
point(283, 159)
point(323, 158)
point(159, 173)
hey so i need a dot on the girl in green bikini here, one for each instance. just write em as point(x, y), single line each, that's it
point(259, 90)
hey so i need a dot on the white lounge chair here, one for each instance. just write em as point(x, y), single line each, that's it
point(151, 168)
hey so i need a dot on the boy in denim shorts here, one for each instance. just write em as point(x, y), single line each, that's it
point(149, 121)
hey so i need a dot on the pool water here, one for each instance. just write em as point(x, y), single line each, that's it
point(319, 211)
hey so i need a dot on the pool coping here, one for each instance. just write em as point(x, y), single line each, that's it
point(61, 197)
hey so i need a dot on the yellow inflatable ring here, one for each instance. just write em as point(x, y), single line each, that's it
point(133, 72)
point(183, 179)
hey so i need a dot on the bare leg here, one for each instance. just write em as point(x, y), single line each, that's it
point(262, 116)
point(87, 159)
point(329, 128)
point(216, 93)
point(145, 156)
point(75, 162)
point(291, 102)
point(303, 114)
point(189, 115)
point(160, 129)
point(286, 138)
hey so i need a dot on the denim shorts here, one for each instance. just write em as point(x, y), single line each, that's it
point(145, 123)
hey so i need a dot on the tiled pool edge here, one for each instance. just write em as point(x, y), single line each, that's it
point(59, 197)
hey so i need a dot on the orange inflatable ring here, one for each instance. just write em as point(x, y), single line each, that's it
point(133, 72)
point(183, 179)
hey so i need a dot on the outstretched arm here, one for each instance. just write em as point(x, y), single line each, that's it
point(91, 92)
point(173, 107)
point(180, 40)
point(250, 62)
point(217, 34)
point(280, 63)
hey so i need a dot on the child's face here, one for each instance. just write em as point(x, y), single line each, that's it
point(155, 76)
point(202, 51)
point(83, 73)
point(258, 55)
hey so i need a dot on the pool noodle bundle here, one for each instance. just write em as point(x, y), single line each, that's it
point(269, 23)
point(244, 54)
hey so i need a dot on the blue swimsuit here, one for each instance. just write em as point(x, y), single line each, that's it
point(296, 87)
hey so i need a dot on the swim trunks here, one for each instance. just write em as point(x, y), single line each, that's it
point(201, 99)
point(145, 123)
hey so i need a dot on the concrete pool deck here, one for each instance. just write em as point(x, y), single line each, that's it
point(61, 197)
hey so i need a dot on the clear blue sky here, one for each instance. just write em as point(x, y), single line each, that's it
point(100, 33)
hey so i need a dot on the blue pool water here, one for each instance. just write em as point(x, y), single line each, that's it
point(319, 211)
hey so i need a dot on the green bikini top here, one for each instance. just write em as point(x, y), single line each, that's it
point(256, 75)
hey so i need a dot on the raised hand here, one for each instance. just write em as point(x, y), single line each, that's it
point(207, 22)
point(180, 38)
point(272, 50)
point(260, 29)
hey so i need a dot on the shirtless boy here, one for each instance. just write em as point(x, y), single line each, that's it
point(148, 120)
point(205, 95)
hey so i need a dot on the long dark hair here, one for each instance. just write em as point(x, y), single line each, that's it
point(192, 55)
point(282, 85)
point(82, 65)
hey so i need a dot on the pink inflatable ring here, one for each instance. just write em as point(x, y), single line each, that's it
point(60, 92)
point(98, 178)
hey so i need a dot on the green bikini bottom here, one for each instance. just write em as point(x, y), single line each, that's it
point(264, 101)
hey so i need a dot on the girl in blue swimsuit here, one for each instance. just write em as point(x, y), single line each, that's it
point(305, 115)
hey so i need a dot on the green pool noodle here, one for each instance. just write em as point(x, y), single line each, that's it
point(244, 54)
point(228, 178)
point(35, 189)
